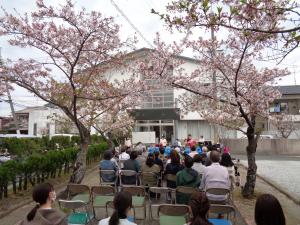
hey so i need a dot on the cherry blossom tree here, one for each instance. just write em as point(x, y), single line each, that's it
point(277, 21)
point(80, 48)
point(114, 125)
point(226, 88)
point(284, 123)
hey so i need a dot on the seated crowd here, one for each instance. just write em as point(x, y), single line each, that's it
point(199, 167)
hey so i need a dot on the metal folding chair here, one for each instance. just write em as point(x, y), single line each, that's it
point(79, 192)
point(172, 214)
point(108, 172)
point(158, 190)
point(149, 179)
point(100, 196)
point(219, 192)
point(76, 216)
point(188, 191)
point(127, 173)
point(224, 209)
point(138, 198)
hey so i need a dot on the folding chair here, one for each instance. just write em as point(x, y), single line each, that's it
point(121, 163)
point(172, 214)
point(161, 191)
point(219, 192)
point(149, 179)
point(223, 209)
point(108, 172)
point(128, 173)
point(186, 192)
point(100, 196)
point(76, 216)
point(79, 192)
point(138, 198)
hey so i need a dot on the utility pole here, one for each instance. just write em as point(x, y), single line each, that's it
point(10, 101)
point(214, 84)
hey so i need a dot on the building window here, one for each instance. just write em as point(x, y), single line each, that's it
point(35, 129)
point(162, 98)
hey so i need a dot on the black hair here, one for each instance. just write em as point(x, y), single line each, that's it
point(226, 160)
point(214, 156)
point(150, 160)
point(197, 158)
point(268, 211)
point(199, 205)
point(193, 148)
point(156, 154)
point(40, 195)
point(122, 201)
point(188, 162)
point(133, 155)
point(107, 155)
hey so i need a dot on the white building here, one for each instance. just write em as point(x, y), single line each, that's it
point(161, 112)
point(41, 120)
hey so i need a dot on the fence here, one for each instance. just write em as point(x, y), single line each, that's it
point(266, 146)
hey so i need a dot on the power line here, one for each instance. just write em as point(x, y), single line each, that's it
point(131, 24)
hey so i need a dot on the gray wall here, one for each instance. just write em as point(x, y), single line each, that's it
point(266, 146)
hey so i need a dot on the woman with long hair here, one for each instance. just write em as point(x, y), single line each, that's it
point(122, 207)
point(173, 167)
point(199, 206)
point(43, 214)
point(268, 211)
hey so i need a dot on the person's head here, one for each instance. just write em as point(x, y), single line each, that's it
point(199, 206)
point(150, 160)
point(226, 160)
point(133, 155)
point(107, 155)
point(204, 149)
point(197, 158)
point(175, 159)
point(188, 162)
point(214, 156)
point(123, 149)
point(193, 148)
point(42, 194)
point(122, 205)
point(268, 211)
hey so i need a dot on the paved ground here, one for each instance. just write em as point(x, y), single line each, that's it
point(246, 206)
point(281, 170)
point(91, 179)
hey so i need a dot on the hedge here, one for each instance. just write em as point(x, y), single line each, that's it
point(38, 167)
point(26, 146)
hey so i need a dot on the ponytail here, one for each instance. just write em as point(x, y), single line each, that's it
point(31, 214)
point(198, 220)
point(122, 201)
point(114, 219)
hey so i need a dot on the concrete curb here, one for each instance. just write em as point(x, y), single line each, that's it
point(58, 187)
point(276, 186)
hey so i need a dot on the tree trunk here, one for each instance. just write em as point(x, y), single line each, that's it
point(248, 190)
point(80, 164)
point(14, 183)
point(20, 183)
point(25, 181)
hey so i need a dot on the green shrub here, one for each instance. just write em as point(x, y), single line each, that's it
point(63, 141)
point(22, 146)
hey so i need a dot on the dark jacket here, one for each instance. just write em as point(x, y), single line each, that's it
point(47, 217)
point(187, 177)
point(130, 164)
point(173, 168)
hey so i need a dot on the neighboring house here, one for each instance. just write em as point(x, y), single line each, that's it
point(289, 106)
point(39, 121)
point(160, 110)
